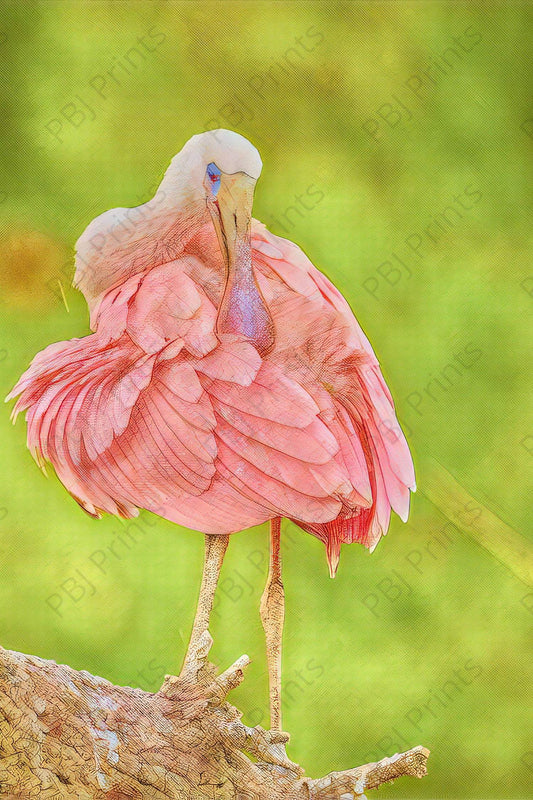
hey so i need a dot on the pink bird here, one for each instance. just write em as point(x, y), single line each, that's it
point(227, 383)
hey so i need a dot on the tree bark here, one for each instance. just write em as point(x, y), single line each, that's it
point(67, 734)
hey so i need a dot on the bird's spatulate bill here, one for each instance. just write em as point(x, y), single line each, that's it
point(242, 311)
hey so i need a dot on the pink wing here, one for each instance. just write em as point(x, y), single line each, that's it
point(375, 451)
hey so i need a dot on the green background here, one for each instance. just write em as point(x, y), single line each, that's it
point(395, 140)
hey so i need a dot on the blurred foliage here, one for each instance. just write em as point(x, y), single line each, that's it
point(395, 139)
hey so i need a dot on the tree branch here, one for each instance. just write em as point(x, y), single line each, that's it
point(68, 734)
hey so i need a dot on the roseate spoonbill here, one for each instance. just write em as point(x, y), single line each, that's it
point(227, 382)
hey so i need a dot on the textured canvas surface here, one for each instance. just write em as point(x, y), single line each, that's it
point(396, 142)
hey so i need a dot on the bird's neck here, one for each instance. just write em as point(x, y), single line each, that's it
point(243, 310)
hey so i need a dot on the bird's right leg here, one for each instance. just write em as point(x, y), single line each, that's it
point(215, 549)
point(272, 616)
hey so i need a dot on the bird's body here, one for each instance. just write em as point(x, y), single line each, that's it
point(156, 411)
point(227, 381)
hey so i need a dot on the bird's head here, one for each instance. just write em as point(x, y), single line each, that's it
point(231, 172)
point(217, 169)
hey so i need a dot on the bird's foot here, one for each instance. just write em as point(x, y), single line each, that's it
point(269, 748)
point(197, 670)
point(197, 667)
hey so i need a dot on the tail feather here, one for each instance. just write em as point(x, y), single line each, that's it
point(387, 466)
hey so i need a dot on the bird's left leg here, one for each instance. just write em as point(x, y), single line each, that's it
point(272, 616)
point(215, 549)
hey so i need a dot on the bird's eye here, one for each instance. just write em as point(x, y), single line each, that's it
point(213, 173)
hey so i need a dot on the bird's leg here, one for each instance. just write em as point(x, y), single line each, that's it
point(215, 549)
point(272, 616)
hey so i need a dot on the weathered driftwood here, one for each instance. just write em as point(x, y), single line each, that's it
point(68, 734)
